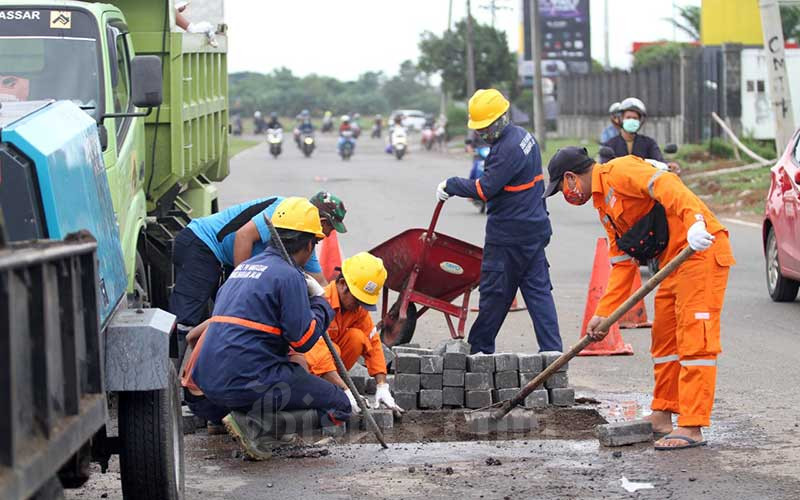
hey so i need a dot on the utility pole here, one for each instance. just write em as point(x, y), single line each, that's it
point(776, 72)
point(607, 57)
point(493, 8)
point(470, 55)
point(536, 56)
point(450, 16)
point(445, 97)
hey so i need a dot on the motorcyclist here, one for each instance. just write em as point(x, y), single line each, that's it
point(612, 130)
point(304, 127)
point(377, 126)
point(327, 121)
point(260, 124)
point(630, 141)
point(397, 125)
point(428, 121)
point(273, 121)
point(345, 126)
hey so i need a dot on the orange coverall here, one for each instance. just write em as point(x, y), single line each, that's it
point(686, 327)
point(353, 334)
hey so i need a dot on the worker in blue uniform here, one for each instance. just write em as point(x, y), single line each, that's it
point(240, 363)
point(517, 227)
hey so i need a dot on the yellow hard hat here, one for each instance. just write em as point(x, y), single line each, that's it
point(298, 214)
point(365, 275)
point(486, 106)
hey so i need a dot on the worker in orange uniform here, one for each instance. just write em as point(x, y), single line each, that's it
point(650, 213)
point(352, 295)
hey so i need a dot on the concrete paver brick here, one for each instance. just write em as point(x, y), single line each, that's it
point(453, 396)
point(360, 383)
point(505, 362)
point(453, 378)
point(480, 363)
point(549, 356)
point(525, 377)
point(431, 364)
point(407, 382)
point(458, 346)
point(537, 399)
point(478, 381)
point(430, 399)
point(455, 361)
point(407, 363)
point(562, 397)
point(383, 417)
point(530, 363)
point(506, 380)
point(504, 394)
point(334, 430)
point(430, 381)
point(624, 433)
point(558, 380)
point(371, 386)
point(412, 350)
point(477, 399)
point(517, 420)
point(406, 400)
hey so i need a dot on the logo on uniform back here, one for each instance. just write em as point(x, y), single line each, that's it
point(527, 144)
point(60, 19)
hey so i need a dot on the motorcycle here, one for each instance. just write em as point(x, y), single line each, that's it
point(327, 125)
point(427, 137)
point(476, 172)
point(307, 144)
point(399, 142)
point(236, 129)
point(275, 141)
point(376, 131)
point(346, 144)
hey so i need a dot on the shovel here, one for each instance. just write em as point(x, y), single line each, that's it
point(648, 287)
point(276, 240)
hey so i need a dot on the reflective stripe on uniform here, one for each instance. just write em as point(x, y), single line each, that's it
point(699, 362)
point(702, 315)
point(261, 327)
point(306, 335)
point(652, 182)
point(665, 359)
point(373, 332)
point(523, 187)
point(609, 195)
point(620, 258)
point(480, 189)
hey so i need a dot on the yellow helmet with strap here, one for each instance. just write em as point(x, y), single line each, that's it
point(298, 214)
point(486, 106)
point(365, 275)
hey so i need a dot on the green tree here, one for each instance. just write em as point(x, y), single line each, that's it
point(446, 54)
point(410, 89)
point(658, 53)
point(790, 22)
point(688, 21)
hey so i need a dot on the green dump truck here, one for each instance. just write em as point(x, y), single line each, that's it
point(107, 163)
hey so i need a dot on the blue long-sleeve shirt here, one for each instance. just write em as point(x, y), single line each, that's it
point(512, 185)
point(261, 311)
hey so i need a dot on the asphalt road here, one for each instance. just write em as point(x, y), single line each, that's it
point(753, 451)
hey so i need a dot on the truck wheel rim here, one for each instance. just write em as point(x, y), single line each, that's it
point(772, 263)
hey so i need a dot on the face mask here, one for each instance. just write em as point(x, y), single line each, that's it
point(573, 195)
point(492, 133)
point(631, 125)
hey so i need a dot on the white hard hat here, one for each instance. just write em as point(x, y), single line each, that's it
point(345, 118)
point(614, 108)
point(633, 103)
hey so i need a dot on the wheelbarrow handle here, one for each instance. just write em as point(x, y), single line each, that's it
point(435, 218)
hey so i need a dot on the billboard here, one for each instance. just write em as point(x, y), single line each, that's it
point(730, 21)
point(565, 38)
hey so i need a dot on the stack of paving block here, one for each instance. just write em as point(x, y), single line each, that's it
point(455, 379)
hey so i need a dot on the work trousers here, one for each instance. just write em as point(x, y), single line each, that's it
point(686, 334)
point(298, 390)
point(197, 278)
point(504, 270)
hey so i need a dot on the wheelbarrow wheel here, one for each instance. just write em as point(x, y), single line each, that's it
point(395, 331)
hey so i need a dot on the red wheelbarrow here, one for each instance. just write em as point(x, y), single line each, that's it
point(430, 269)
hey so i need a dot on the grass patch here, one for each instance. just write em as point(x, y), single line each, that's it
point(237, 145)
point(738, 192)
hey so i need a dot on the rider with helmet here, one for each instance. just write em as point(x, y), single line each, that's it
point(612, 130)
point(273, 121)
point(345, 126)
point(630, 141)
point(304, 126)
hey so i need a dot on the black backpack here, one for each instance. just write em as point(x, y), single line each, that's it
point(648, 237)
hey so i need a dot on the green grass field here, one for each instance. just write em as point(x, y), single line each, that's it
point(237, 145)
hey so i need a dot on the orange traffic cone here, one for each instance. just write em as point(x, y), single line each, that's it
point(637, 316)
point(601, 270)
point(330, 256)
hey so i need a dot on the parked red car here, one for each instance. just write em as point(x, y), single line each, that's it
point(781, 228)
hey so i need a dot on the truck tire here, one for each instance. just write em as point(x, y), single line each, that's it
point(780, 289)
point(151, 443)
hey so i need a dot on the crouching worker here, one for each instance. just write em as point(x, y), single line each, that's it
point(352, 295)
point(240, 364)
point(650, 213)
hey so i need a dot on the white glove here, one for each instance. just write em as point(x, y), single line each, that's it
point(314, 288)
point(658, 164)
point(201, 27)
point(354, 408)
point(441, 194)
point(383, 396)
point(699, 239)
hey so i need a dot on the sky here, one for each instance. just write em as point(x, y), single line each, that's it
point(345, 38)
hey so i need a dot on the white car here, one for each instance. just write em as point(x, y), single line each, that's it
point(412, 118)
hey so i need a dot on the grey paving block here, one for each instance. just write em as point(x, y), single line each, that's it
point(480, 363)
point(457, 346)
point(412, 350)
point(453, 396)
point(504, 394)
point(561, 397)
point(355, 422)
point(371, 386)
point(407, 363)
point(625, 433)
point(524, 378)
point(430, 399)
point(530, 363)
point(190, 421)
point(334, 430)
point(431, 364)
point(537, 399)
point(389, 356)
point(517, 420)
point(454, 361)
point(430, 381)
point(390, 381)
point(453, 378)
point(478, 381)
point(558, 380)
point(406, 400)
point(505, 362)
point(549, 356)
point(384, 418)
point(407, 382)
point(359, 370)
point(360, 383)
point(506, 380)
point(477, 399)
